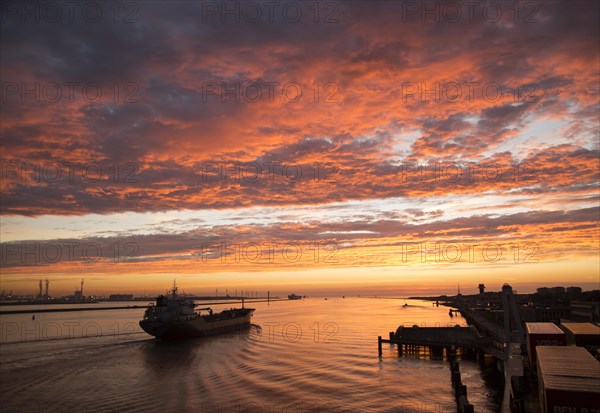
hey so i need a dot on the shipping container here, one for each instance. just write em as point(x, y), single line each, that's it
point(542, 334)
point(568, 379)
point(583, 335)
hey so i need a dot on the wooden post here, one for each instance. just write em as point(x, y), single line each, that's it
point(464, 406)
point(455, 376)
point(391, 335)
point(379, 345)
point(460, 390)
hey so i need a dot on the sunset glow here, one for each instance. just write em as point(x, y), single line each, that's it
point(365, 148)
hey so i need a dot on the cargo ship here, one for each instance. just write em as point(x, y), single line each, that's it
point(176, 316)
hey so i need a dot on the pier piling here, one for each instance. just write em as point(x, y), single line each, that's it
point(460, 390)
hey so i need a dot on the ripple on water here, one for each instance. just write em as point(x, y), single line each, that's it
point(332, 364)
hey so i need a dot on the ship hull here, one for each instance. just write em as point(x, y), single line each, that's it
point(224, 322)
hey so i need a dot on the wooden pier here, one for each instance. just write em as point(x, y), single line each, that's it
point(483, 336)
point(434, 339)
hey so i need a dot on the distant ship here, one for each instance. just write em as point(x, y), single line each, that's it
point(294, 297)
point(174, 316)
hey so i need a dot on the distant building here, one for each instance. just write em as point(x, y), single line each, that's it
point(544, 314)
point(574, 290)
point(551, 314)
point(585, 311)
point(553, 290)
point(120, 297)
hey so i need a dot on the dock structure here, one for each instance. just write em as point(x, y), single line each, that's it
point(436, 339)
point(483, 325)
point(483, 336)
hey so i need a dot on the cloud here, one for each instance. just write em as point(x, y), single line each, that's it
point(357, 237)
point(198, 112)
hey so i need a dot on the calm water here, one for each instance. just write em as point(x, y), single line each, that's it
point(299, 356)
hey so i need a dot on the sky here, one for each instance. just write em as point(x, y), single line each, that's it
point(359, 147)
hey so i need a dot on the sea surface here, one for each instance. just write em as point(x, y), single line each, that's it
point(311, 355)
